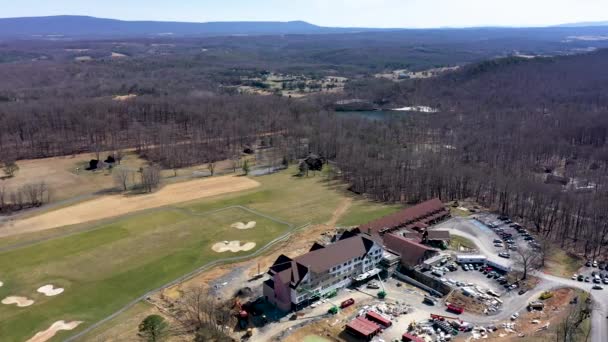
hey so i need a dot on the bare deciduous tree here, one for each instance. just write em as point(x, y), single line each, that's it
point(199, 313)
point(150, 178)
point(528, 260)
point(121, 177)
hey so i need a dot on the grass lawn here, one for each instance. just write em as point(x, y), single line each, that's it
point(105, 268)
point(102, 270)
point(362, 211)
point(560, 263)
point(458, 241)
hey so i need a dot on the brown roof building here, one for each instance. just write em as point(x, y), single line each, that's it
point(416, 218)
point(412, 252)
point(324, 269)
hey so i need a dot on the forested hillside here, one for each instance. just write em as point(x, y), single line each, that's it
point(526, 136)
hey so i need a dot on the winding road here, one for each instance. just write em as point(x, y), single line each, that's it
point(483, 239)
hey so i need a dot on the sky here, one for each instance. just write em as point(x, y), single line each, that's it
point(337, 13)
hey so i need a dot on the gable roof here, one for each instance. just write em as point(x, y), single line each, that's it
point(403, 217)
point(411, 252)
point(321, 260)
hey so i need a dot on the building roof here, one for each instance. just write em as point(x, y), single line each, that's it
point(405, 216)
point(411, 252)
point(412, 338)
point(321, 260)
point(363, 326)
point(442, 235)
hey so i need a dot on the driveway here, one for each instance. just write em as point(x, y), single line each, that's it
point(482, 236)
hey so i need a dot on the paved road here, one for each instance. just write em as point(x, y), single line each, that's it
point(483, 239)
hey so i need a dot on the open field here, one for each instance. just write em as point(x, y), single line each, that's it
point(116, 205)
point(62, 177)
point(298, 200)
point(103, 269)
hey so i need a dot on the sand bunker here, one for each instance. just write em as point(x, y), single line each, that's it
point(233, 246)
point(1, 284)
point(47, 334)
point(50, 290)
point(116, 205)
point(241, 225)
point(20, 301)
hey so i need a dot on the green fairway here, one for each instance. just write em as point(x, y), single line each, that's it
point(102, 270)
point(105, 265)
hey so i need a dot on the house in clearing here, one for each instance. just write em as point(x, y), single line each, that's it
point(294, 283)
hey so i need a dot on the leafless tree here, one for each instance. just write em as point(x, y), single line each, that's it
point(121, 177)
point(528, 260)
point(150, 178)
point(570, 328)
point(201, 314)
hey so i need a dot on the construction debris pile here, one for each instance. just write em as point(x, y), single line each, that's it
point(390, 310)
point(439, 328)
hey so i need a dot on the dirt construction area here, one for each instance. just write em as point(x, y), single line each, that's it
point(116, 205)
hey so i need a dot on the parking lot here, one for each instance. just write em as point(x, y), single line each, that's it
point(593, 272)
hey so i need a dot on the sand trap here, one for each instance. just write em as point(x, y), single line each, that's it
point(1, 284)
point(241, 225)
point(20, 301)
point(47, 334)
point(50, 290)
point(116, 205)
point(232, 246)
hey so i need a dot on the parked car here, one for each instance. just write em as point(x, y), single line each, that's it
point(504, 255)
point(574, 276)
point(597, 287)
point(587, 279)
point(594, 263)
point(497, 241)
point(588, 263)
point(522, 291)
point(580, 277)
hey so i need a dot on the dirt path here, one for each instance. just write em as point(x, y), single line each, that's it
point(116, 205)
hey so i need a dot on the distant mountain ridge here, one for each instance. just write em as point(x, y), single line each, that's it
point(84, 26)
point(585, 24)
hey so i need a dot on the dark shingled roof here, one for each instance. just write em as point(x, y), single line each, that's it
point(406, 216)
point(320, 259)
point(442, 235)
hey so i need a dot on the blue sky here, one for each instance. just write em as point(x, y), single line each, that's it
point(362, 13)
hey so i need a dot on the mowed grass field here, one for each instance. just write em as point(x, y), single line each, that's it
point(104, 269)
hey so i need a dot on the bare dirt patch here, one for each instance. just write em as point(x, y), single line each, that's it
point(241, 225)
point(117, 205)
point(20, 301)
point(47, 334)
point(50, 290)
point(232, 246)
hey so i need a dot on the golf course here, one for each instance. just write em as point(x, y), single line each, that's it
point(104, 265)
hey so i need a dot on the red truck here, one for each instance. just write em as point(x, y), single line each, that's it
point(455, 309)
point(347, 303)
